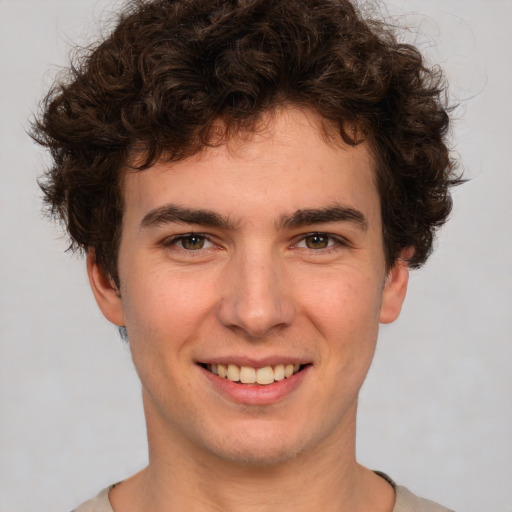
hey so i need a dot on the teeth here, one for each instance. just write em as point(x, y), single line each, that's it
point(233, 373)
point(279, 372)
point(249, 375)
point(265, 375)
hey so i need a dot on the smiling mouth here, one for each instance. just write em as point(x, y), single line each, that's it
point(248, 375)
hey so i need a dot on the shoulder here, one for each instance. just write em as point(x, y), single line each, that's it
point(99, 503)
point(406, 501)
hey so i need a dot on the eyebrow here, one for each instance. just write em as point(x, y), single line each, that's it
point(170, 213)
point(173, 213)
point(334, 213)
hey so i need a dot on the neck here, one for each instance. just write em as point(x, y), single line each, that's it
point(181, 476)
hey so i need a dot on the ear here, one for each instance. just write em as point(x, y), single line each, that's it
point(105, 291)
point(395, 288)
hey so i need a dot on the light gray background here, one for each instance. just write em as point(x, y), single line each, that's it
point(436, 409)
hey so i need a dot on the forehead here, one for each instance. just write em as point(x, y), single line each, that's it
point(292, 159)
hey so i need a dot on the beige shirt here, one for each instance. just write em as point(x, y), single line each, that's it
point(405, 501)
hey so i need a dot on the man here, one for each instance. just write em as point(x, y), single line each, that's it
point(251, 182)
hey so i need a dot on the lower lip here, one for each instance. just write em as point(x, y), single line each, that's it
point(255, 394)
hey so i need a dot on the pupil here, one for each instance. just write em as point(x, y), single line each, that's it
point(317, 241)
point(193, 242)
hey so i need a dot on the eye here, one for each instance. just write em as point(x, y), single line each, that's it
point(318, 241)
point(189, 242)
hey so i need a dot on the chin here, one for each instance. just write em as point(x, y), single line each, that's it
point(256, 457)
point(260, 447)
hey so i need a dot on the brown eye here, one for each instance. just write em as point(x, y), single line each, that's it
point(192, 242)
point(317, 241)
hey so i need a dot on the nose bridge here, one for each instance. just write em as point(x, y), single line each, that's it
point(254, 294)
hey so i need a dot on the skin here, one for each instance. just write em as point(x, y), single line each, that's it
point(256, 287)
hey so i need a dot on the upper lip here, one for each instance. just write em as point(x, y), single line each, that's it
point(252, 362)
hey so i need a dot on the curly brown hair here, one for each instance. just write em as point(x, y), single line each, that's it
point(170, 70)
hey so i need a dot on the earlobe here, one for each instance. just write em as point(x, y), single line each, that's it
point(105, 291)
point(395, 289)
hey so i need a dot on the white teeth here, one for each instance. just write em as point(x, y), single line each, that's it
point(265, 375)
point(233, 373)
point(279, 372)
point(249, 375)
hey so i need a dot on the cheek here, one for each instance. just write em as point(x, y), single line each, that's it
point(346, 313)
point(163, 309)
point(343, 305)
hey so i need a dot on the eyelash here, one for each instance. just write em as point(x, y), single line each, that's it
point(334, 242)
point(175, 240)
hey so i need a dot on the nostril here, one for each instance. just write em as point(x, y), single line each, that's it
point(254, 312)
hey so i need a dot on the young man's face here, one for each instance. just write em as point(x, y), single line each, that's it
point(265, 252)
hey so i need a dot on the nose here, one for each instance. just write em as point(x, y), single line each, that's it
point(255, 295)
